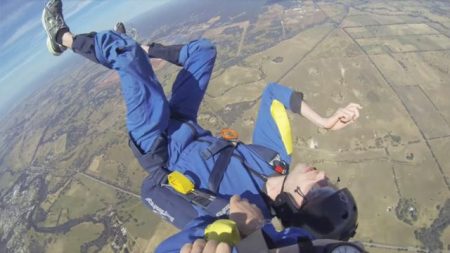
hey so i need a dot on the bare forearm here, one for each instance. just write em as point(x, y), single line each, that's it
point(311, 115)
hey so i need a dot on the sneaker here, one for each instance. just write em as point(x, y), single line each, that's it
point(120, 28)
point(53, 21)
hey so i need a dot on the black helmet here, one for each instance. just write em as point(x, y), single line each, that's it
point(330, 214)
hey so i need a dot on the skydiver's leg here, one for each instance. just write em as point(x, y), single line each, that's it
point(147, 113)
point(170, 53)
point(147, 106)
point(197, 59)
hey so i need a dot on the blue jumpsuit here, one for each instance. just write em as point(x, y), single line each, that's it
point(150, 115)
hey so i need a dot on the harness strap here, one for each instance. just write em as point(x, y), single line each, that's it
point(226, 149)
point(154, 161)
point(215, 147)
point(212, 204)
point(219, 168)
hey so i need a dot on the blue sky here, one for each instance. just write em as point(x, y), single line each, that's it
point(23, 50)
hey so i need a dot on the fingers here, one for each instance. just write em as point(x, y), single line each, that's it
point(235, 198)
point(234, 202)
point(355, 112)
point(349, 113)
point(211, 247)
point(201, 246)
point(248, 217)
point(258, 211)
point(186, 248)
point(343, 115)
point(355, 109)
point(358, 106)
point(245, 206)
point(223, 248)
point(198, 246)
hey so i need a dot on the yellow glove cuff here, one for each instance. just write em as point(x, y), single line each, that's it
point(223, 231)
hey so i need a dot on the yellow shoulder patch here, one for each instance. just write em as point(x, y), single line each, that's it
point(279, 115)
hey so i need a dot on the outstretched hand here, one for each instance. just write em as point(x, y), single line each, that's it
point(343, 117)
point(248, 217)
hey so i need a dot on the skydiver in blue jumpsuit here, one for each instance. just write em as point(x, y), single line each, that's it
point(165, 136)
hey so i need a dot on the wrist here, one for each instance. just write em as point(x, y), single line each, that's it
point(322, 122)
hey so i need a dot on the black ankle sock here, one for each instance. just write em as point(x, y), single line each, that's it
point(60, 33)
point(168, 53)
point(84, 44)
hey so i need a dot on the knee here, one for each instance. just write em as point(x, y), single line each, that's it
point(207, 47)
point(112, 45)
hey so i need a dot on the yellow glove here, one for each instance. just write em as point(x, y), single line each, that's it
point(223, 231)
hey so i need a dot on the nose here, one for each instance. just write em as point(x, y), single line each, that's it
point(319, 177)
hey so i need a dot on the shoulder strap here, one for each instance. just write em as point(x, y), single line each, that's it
point(219, 145)
point(219, 168)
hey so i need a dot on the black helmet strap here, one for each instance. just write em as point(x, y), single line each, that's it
point(284, 206)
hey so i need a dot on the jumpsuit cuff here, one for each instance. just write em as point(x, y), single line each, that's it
point(168, 53)
point(84, 44)
point(295, 102)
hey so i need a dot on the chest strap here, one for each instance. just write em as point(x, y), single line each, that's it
point(225, 149)
point(219, 168)
point(217, 146)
